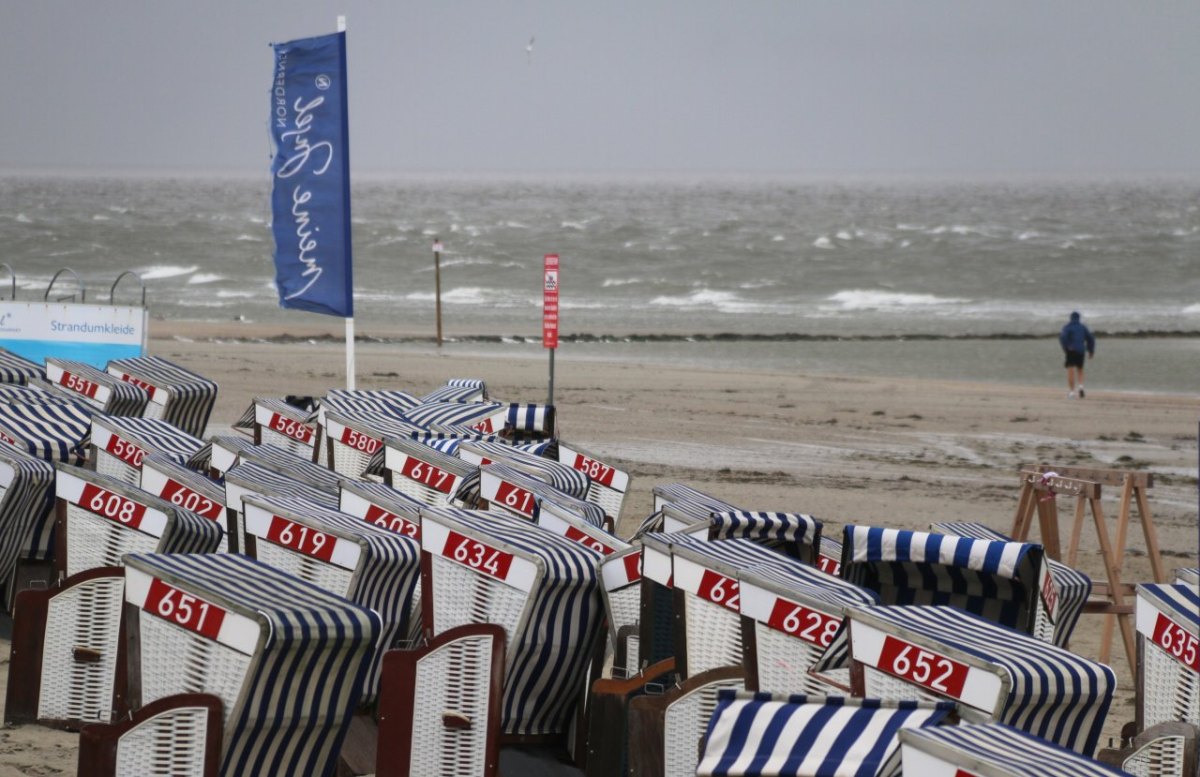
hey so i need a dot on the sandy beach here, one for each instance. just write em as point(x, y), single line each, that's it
point(866, 450)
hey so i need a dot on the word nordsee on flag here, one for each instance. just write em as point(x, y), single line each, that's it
point(310, 174)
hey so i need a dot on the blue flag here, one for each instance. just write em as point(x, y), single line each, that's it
point(310, 174)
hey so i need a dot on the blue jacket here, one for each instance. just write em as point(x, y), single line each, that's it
point(1075, 337)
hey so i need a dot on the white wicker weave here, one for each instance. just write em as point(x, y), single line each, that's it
point(154, 410)
point(1162, 757)
point(171, 744)
point(714, 635)
point(99, 542)
point(462, 595)
point(421, 492)
point(269, 436)
point(321, 574)
point(684, 723)
point(881, 685)
point(88, 616)
point(608, 498)
point(348, 461)
point(108, 464)
point(1169, 690)
point(175, 660)
point(453, 678)
point(784, 661)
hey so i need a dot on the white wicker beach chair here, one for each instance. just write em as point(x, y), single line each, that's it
point(287, 659)
point(118, 445)
point(185, 488)
point(178, 736)
point(803, 735)
point(1168, 629)
point(424, 472)
point(514, 491)
point(100, 519)
point(177, 395)
point(995, 673)
point(95, 388)
point(991, 749)
point(250, 477)
point(282, 425)
point(354, 440)
point(372, 567)
point(543, 589)
point(439, 710)
point(607, 484)
point(621, 588)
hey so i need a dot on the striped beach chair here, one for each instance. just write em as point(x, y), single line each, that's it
point(992, 749)
point(621, 589)
point(185, 488)
point(287, 659)
point(18, 370)
point(373, 567)
point(1168, 629)
point(100, 519)
point(486, 417)
point(26, 528)
point(666, 728)
point(250, 477)
point(1188, 575)
point(354, 441)
point(458, 390)
point(565, 520)
point(1005, 582)
point(277, 423)
point(543, 589)
point(607, 484)
point(670, 493)
point(389, 402)
point(179, 736)
point(222, 453)
point(793, 613)
point(829, 556)
point(779, 735)
point(993, 672)
point(423, 472)
point(1063, 601)
point(795, 534)
point(118, 445)
point(515, 491)
point(177, 395)
point(525, 422)
point(95, 388)
point(53, 429)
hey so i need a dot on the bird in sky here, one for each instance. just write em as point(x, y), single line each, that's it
point(529, 48)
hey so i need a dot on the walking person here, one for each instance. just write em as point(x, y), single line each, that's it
point(1075, 338)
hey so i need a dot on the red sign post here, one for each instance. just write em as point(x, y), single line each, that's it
point(550, 286)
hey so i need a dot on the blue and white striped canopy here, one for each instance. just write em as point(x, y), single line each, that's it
point(1180, 601)
point(357, 403)
point(457, 390)
point(26, 502)
point(17, 369)
point(993, 748)
point(996, 580)
point(1073, 586)
point(570, 481)
point(386, 497)
point(33, 394)
point(784, 527)
point(153, 436)
point(259, 479)
point(291, 712)
point(546, 492)
point(678, 492)
point(524, 420)
point(389, 566)
point(125, 399)
point(279, 460)
point(1052, 693)
point(548, 663)
point(276, 405)
point(764, 734)
point(190, 397)
point(436, 415)
point(50, 430)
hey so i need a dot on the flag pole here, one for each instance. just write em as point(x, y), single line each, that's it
point(341, 27)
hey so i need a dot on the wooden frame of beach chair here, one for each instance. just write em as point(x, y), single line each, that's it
point(95, 388)
point(370, 566)
point(278, 424)
point(666, 731)
point(607, 485)
point(1168, 640)
point(68, 655)
point(423, 472)
point(1169, 749)
point(1064, 592)
point(482, 567)
point(994, 673)
point(100, 519)
point(1039, 492)
point(177, 395)
point(989, 749)
point(607, 745)
point(227, 625)
point(805, 734)
point(26, 527)
point(789, 623)
point(187, 489)
point(118, 445)
point(177, 736)
point(458, 680)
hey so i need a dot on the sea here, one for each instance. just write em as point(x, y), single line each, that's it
point(949, 279)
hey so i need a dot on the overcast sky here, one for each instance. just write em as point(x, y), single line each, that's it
point(796, 86)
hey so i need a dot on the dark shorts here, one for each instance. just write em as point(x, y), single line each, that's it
point(1074, 359)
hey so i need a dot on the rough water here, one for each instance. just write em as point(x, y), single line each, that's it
point(759, 272)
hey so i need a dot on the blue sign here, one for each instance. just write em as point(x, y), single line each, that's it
point(310, 173)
